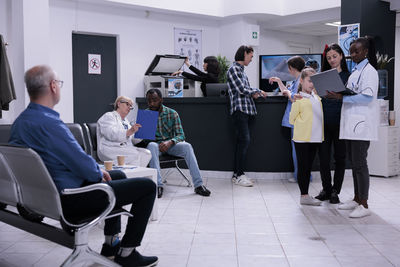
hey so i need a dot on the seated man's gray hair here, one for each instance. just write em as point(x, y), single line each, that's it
point(37, 80)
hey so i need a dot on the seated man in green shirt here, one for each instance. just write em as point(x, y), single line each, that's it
point(170, 139)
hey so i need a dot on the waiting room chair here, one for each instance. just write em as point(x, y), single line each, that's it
point(8, 186)
point(76, 130)
point(39, 195)
point(167, 161)
point(5, 130)
point(91, 135)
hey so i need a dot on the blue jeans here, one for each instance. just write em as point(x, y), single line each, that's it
point(181, 149)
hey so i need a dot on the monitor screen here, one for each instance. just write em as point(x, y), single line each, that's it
point(276, 65)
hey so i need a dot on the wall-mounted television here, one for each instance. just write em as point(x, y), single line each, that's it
point(276, 65)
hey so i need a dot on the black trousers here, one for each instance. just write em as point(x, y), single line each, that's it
point(331, 136)
point(305, 153)
point(140, 192)
point(358, 151)
point(242, 123)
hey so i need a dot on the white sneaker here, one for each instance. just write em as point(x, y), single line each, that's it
point(242, 180)
point(292, 180)
point(309, 200)
point(348, 205)
point(359, 212)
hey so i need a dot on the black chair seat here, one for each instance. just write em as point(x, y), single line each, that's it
point(164, 158)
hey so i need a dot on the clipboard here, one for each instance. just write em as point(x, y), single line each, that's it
point(330, 81)
point(148, 119)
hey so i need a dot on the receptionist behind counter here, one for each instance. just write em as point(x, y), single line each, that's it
point(211, 66)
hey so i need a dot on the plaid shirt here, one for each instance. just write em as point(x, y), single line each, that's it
point(240, 91)
point(169, 126)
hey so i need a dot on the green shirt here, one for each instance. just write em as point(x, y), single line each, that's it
point(169, 126)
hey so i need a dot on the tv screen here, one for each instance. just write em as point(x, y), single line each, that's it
point(276, 65)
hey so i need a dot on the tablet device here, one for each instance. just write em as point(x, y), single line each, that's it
point(329, 81)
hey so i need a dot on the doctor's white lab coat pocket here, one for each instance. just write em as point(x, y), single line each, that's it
point(355, 126)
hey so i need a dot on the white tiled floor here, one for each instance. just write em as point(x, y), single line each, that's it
point(246, 227)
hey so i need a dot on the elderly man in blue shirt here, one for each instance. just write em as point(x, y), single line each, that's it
point(39, 127)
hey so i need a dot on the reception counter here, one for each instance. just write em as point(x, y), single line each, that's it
point(209, 128)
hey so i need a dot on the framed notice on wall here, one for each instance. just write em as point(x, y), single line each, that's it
point(188, 44)
point(347, 34)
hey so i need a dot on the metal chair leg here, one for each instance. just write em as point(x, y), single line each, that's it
point(184, 176)
point(83, 254)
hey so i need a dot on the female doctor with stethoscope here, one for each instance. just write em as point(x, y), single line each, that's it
point(359, 121)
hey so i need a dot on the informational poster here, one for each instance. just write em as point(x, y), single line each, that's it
point(175, 87)
point(94, 64)
point(188, 44)
point(347, 34)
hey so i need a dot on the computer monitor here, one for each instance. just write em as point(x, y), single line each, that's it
point(276, 65)
point(217, 89)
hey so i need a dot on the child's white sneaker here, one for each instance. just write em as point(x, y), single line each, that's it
point(348, 205)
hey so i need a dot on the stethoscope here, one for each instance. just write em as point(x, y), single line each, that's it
point(356, 86)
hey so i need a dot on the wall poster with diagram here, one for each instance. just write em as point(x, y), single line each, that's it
point(188, 44)
point(347, 34)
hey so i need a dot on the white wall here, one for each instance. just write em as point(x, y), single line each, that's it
point(11, 27)
point(4, 10)
point(140, 35)
point(397, 71)
point(139, 39)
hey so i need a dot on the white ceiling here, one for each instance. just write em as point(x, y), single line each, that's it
point(308, 23)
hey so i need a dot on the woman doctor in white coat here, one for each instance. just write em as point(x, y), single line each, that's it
point(359, 121)
point(115, 136)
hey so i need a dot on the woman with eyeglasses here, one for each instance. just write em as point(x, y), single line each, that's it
point(115, 136)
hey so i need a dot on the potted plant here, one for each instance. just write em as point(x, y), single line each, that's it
point(382, 60)
point(224, 65)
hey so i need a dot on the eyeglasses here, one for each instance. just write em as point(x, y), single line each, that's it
point(128, 104)
point(60, 83)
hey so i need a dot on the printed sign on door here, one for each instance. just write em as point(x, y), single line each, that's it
point(94, 63)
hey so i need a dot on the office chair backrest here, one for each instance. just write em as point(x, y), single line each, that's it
point(38, 192)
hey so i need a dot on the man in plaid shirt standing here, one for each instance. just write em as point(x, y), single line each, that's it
point(170, 139)
point(242, 110)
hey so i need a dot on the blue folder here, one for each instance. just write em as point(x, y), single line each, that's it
point(148, 119)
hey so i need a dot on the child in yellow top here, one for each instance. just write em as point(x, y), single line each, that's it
point(307, 117)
